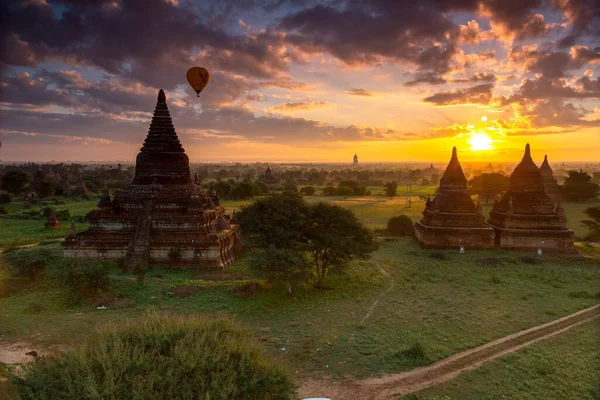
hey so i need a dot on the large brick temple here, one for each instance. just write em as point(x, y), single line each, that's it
point(525, 217)
point(452, 219)
point(162, 216)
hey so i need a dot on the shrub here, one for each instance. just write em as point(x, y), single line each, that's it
point(583, 294)
point(31, 262)
point(160, 357)
point(140, 269)
point(307, 190)
point(329, 191)
point(401, 225)
point(82, 277)
point(5, 198)
point(281, 266)
point(413, 356)
point(344, 191)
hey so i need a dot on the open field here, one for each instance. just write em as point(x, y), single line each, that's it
point(443, 306)
point(564, 367)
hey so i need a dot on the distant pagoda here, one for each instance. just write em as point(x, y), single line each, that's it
point(550, 185)
point(355, 160)
point(81, 189)
point(53, 222)
point(161, 216)
point(452, 220)
point(525, 217)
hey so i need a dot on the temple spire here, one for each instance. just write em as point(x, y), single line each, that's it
point(454, 177)
point(162, 98)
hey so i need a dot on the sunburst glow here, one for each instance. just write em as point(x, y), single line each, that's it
point(480, 141)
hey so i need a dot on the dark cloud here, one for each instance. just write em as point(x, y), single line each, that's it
point(479, 94)
point(359, 92)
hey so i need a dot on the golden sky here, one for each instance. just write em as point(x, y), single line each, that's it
point(388, 80)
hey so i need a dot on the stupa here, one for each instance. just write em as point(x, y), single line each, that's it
point(550, 185)
point(161, 217)
point(452, 219)
point(525, 217)
point(53, 222)
point(81, 189)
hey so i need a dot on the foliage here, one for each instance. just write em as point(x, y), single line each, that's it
point(334, 237)
point(223, 188)
point(47, 189)
point(61, 215)
point(82, 277)
point(390, 189)
point(401, 225)
point(579, 186)
point(282, 266)
point(593, 224)
point(489, 186)
point(264, 188)
point(30, 262)
point(5, 198)
point(244, 190)
point(344, 191)
point(307, 191)
point(160, 356)
point(278, 221)
point(329, 191)
point(290, 188)
point(140, 269)
point(15, 181)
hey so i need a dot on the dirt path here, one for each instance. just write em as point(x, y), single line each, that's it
point(24, 246)
point(391, 386)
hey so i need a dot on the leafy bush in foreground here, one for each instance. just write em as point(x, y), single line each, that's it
point(160, 357)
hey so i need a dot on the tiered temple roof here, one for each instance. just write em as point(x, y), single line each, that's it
point(452, 220)
point(550, 185)
point(161, 216)
point(525, 217)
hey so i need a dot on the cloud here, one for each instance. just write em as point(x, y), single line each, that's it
point(479, 94)
point(359, 92)
point(297, 106)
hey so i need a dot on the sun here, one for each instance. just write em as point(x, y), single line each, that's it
point(480, 141)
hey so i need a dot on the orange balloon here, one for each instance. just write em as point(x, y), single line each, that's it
point(198, 78)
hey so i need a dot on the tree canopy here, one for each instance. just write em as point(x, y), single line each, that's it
point(579, 186)
point(490, 185)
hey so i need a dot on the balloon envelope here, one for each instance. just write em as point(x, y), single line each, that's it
point(198, 78)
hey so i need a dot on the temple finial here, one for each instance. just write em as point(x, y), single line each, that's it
point(545, 157)
point(454, 155)
point(161, 96)
point(527, 150)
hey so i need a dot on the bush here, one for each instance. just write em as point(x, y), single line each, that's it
point(344, 191)
point(5, 198)
point(438, 256)
point(82, 277)
point(160, 357)
point(329, 191)
point(401, 225)
point(31, 262)
point(307, 190)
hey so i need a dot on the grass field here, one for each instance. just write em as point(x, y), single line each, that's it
point(443, 305)
point(562, 368)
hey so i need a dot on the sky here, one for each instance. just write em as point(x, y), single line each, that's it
point(310, 81)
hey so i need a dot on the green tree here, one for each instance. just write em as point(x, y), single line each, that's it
point(278, 221)
point(593, 224)
point(5, 198)
point(223, 188)
point(30, 262)
point(401, 225)
point(281, 266)
point(579, 186)
point(489, 186)
point(15, 181)
point(334, 237)
point(390, 189)
point(264, 188)
point(307, 191)
point(245, 190)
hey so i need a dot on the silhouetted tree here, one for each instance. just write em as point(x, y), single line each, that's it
point(488, 186)
point(579, 186)
point(390, 189)
point(593, 224)
point(15, 181)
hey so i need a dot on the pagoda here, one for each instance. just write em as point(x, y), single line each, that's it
point(53, 222)
point(81, 189)
point(161, 217)
point(550, 185)
point(525, 217)
point(452, 219)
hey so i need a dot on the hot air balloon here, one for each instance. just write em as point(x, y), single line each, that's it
point(198, 78)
